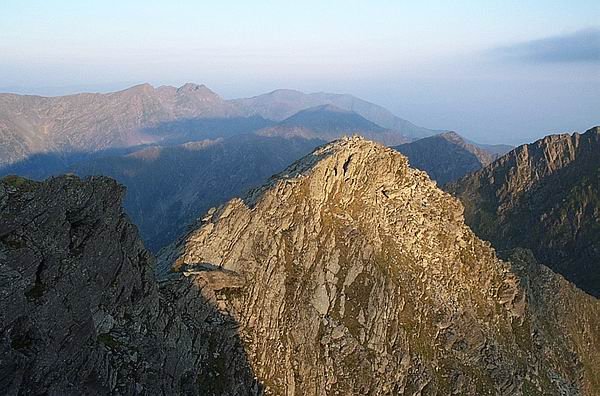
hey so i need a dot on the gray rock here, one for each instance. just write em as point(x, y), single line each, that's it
point(81, 311)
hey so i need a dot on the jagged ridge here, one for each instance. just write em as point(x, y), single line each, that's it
point(544, 196)
point(362, 277)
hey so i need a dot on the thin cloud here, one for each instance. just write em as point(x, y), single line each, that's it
point(581, 46)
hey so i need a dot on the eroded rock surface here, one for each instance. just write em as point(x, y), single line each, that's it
point(544, 196)
point(362, 278)
point(81, 311)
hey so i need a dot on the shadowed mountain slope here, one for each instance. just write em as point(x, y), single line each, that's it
point(544, 196)
point(81, 311)
point(445, 157)
point(169, 187)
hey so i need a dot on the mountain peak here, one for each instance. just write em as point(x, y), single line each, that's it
point(330, 118)
point(338, 161)
point(358, 259)
point(345, 151)
point(196, 89)
point(453, 137)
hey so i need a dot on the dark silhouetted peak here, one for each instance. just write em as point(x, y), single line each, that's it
point(329, 118)
point(329, 122)
point(445, 157)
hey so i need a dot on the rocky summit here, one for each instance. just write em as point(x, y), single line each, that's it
point(351, 273)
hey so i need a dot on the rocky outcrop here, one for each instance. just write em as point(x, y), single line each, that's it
point(360, 277)
point(82, 313)
point(544, 196)
point(445, 157)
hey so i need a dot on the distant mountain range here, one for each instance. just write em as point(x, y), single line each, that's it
point(142, 115)
point(283, 103)
point(544, 196)
point(328, 122)
point(93, 122)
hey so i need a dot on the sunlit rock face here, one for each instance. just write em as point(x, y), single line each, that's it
point(355, 274)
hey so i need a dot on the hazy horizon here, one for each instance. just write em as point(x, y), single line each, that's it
point(503, 72)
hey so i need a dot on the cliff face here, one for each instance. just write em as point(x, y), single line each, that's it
point(544, 196)
point(81, 311)
point(360, 277)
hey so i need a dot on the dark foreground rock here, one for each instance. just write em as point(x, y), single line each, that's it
point(81, 311)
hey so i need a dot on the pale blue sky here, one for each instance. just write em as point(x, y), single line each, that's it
point(493, 70)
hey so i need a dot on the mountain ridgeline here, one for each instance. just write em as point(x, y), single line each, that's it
point(283, 103)
point(347, 273)
point(86, 123)
point(544, 196)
